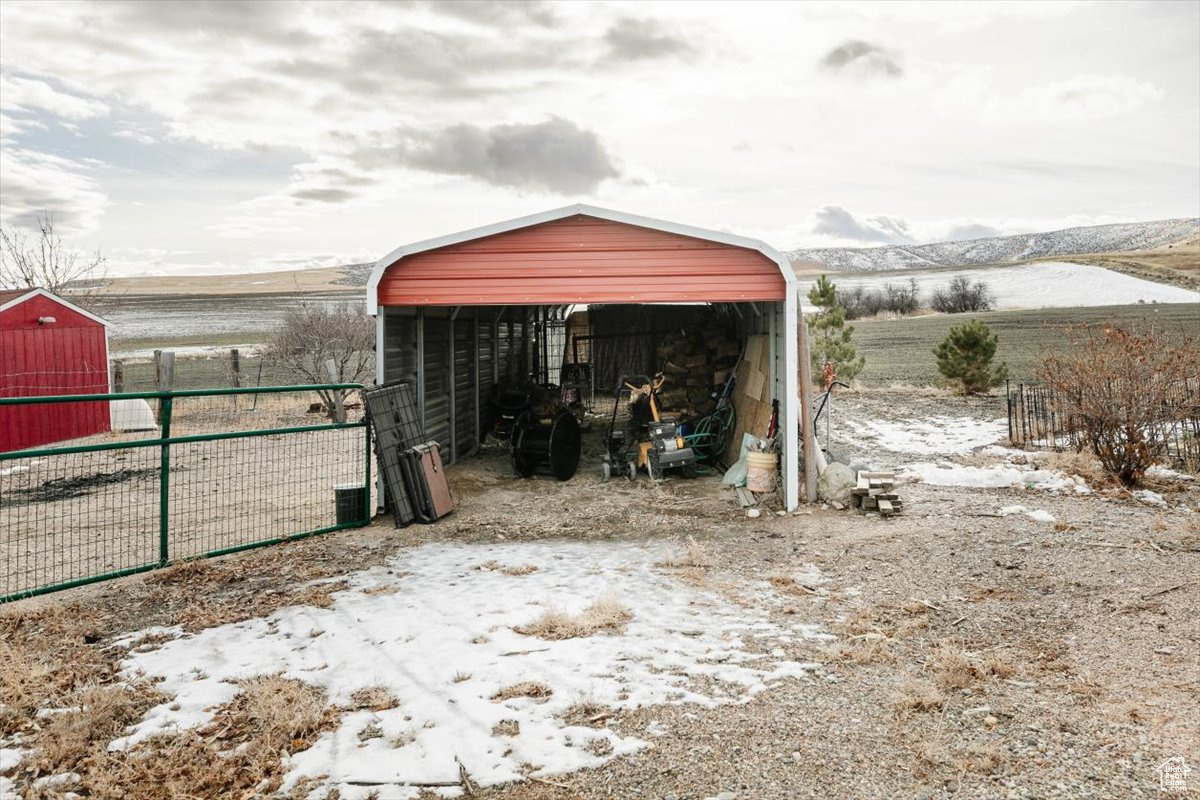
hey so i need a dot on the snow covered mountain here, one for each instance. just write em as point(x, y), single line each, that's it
point(1122, 237)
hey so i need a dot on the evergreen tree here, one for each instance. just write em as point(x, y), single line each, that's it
point(965, 357)
point(829, 338)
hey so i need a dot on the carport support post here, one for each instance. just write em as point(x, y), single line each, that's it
point(475, 375)
point(795, 321)
point(421, 365)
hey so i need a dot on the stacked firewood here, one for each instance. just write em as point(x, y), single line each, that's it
point(695, 363)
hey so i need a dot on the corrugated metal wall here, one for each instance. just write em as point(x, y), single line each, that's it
point(499, 350)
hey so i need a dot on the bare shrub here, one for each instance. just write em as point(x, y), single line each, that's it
point(1125, 392)
point(606, 614)
point(312, 335)
point(962, 297)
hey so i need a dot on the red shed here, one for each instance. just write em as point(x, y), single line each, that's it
point(49, 346)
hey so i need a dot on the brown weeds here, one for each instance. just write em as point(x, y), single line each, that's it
point(606, 614)
point(538, 691)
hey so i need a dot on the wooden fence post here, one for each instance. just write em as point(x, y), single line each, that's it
point(235, 367)
point(118, 382)
point(164, 367)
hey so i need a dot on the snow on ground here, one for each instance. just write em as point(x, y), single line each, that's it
point(443, 643)
point(1044, 284)
point(1038, 515)
point(997, 476)
point(931, 435)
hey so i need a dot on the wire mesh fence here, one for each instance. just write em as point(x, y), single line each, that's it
point(234, 367)
point(177, 475)
point(1036, 418)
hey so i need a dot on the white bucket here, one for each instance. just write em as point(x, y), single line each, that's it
point(760, 471)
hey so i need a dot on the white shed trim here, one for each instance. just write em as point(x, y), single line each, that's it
point(16, 301)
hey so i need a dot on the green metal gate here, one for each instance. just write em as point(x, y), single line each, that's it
point(212, 471)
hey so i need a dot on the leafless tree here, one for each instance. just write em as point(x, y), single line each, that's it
point(313, 334)
point(44, 261)
point(962, 297)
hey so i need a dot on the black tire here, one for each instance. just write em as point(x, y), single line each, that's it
point(564, 446)
point(631, 473)
point(605, 471)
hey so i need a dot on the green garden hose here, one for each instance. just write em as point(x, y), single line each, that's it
point(711, 435)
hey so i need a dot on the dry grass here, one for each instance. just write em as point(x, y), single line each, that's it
point(507, 727)
point(380, 590)
point(985, 758)
point(606, 614)
point(691, 554)
point(213, 610)
point(238, 754)
point(373, 698)
point(507, 569)
point(788, 584)
point(599, 746)
point(538, 691)
point(1084, 465)
point(917, 694)
point(951, 667)
point(460, 677)
point(586, 712)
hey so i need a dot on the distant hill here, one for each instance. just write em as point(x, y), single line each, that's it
point(1120, 238)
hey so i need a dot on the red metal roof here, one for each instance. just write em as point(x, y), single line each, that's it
point(581, 259)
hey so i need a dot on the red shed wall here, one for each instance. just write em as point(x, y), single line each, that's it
point(69, 356)
point(581, 259)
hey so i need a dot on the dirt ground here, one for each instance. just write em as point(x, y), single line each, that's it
point(977, 655)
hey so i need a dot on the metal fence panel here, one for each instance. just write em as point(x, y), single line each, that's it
point(208, 472)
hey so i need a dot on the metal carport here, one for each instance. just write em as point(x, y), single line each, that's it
point(457, 312)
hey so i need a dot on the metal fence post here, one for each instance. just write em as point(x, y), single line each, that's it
point(164, 479)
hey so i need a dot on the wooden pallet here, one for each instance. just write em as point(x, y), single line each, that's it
point(876, 491)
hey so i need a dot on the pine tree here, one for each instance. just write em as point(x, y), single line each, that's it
point(965, 357)
point(830, 335)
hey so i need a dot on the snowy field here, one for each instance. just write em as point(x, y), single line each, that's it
point(1046, 284)
point(437, 631)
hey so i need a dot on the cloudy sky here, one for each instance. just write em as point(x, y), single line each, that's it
point(217, 137)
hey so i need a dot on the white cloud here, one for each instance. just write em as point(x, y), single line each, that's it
point(26, 94)
point(36, 182)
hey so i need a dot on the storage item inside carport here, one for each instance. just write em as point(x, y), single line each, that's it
point(350, 503)
point(391, 411)
point(506, 402)
point(546, 437)
point(425, 478)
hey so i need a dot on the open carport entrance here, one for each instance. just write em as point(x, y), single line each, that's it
point(459, 313)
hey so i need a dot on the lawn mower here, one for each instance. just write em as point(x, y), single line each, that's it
point(640, 438)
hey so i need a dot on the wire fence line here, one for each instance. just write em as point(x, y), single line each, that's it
point(1037, 418)
point(176, 475)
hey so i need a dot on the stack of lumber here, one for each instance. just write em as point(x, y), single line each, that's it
point(751, 394)
point(694, 363)
point(876, 491)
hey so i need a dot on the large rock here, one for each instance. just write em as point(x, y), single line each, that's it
point(836, 483)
